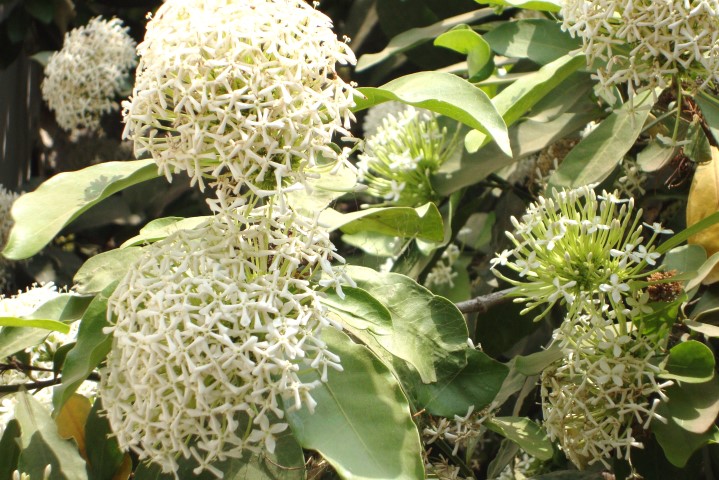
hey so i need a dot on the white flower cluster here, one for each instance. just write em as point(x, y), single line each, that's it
point(375, 116)
point(402, 154)
point(580, 249)
point(212, 329)
point(605, 386)
point(646, 43)
point(632, 178)
point(7, 198)
point(41, 355)
point(461, 431)
point(82, 78)
point(244, 92)
point(443, 272)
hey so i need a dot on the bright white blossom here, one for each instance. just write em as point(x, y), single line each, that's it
point(605, 385)
point(578, 248)
point(375, 117)
point(443, 273)
point(82, 79)
point(460, 431)
point(402, 154)
point(244, 91)
point(646, 43)
point(7, 198)
point(211, 328)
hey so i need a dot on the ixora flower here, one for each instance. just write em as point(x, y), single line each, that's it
point(82, 78)
point(244, 91)
point(646, 43)
point(603, 390)
point(399, 158)
point(210, 331)
point(580, 249)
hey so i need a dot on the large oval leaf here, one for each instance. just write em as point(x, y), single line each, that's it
point(43, 213)
point(539, 40)
point(362, 423)
point(594, 158)
point(445, 94)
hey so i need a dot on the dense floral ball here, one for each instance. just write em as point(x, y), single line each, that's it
point(605, 388)
point(645, 43)
point(581, 249)
point(211, 329)
point(82, 79)
point(245, 91)
point(406, 148)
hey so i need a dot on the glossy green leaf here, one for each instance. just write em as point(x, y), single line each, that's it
point(465, 40)
point(594, 158)
point(90, 349)
point(362, 423)
point(10, 449)
point(518, 98)
point(698, 148)
point(528, 435)
point(42, 445)
point(655, 155)
point(539, 40)
point(423, 222)
point(686, 258)
point(416, 36)
point(476, 384)
point(693, 406)
point(690, 362)
point(360, 311)
point(64, 308)
point(43, 213)
point(105, 268)
point(429, 331)
point(709, 105)
point(541, 5)
point(445, 94)
point(52, 325)
point(677, 443)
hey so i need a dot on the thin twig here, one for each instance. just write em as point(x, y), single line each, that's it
point(483, 303)
point(40, 384)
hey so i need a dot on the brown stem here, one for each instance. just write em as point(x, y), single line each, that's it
point(40, 384)
point(483, 303)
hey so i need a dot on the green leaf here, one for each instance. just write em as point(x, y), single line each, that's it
point(323, 187)
point(594, 158)
point(416, 36)
point(476, 384)
point(518, 98)
point(42, 214)
point(423, 222)
point(360, 311)
point(362, 423)
point(105, 268)
point(534, 363)
point(161, 228)
point(702, 272)
point(429, 332)
point(541, 5)
point(65, 308)
point(698, 149)
point(679, 444)
point(53, 325)
point(693, 406)
point(655, 155)
point(703, 328)
point(539, 40)
point(90, 349)
point(42, 445)
point(690, 362)
point(10, 448)
point(687, 258)
point(709, 105)
point(528, 435)
point(104, 456)
point(445, 94)
point(466, 41)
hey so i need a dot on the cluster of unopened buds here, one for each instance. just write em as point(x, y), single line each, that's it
point(589, 253)
point(213, 326)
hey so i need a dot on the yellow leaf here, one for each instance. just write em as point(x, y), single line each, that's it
point(125, 469)
point(72, 419)
point(703, 201)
